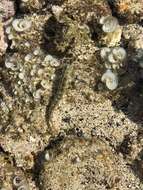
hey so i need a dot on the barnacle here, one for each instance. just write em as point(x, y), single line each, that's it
point(112, 31)
point(112, 59)
point(18, 181)
point(21, 25)
point(119, 53)
point(109, 23)
point(30, 29)
point(110, 79)
point(104, 52)
point(57, 11)
point(53, 73)
point(113, 39)
point(49, 59)
point(47, 156)
point(9, 65)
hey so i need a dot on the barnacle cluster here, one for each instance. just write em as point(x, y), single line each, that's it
point(26, 33)
point(112, 30)
point(113, 57)
point(31, 77)
point(114, 60)
point(29, 72)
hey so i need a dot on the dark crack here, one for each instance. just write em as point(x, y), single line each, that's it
point(57, 91)
point(40, 160)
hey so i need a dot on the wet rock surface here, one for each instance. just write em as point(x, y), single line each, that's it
point(71, 95)
point(82, 163)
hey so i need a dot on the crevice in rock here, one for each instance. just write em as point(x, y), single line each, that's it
point(9, 157)
point(40, 159)
point(137, 166)
point(125, 146)
point(3, 151)
point(57, 91)
point(110, 3)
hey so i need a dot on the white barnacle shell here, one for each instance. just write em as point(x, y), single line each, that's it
point(47, 156)
point(45, 84)
point(28, 57)
point(110, 24)
point(4, 107)
point(8, 30)
point(21, 25)
point(112, 59)
point(37, 95)
point(10, 36)
point(101, 21)
point(57, 10)
point(52, 61)
point(37, 51)
point(21, 76)
point(110, 79)
point(119, 53)
point(9, 64)
point(18, 181)
point(104, 52)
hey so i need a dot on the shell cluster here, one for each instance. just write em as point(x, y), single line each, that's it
point(114, 60)
point(26, 33)
point(112, 31)
point(27, 77)
point(114, 57)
